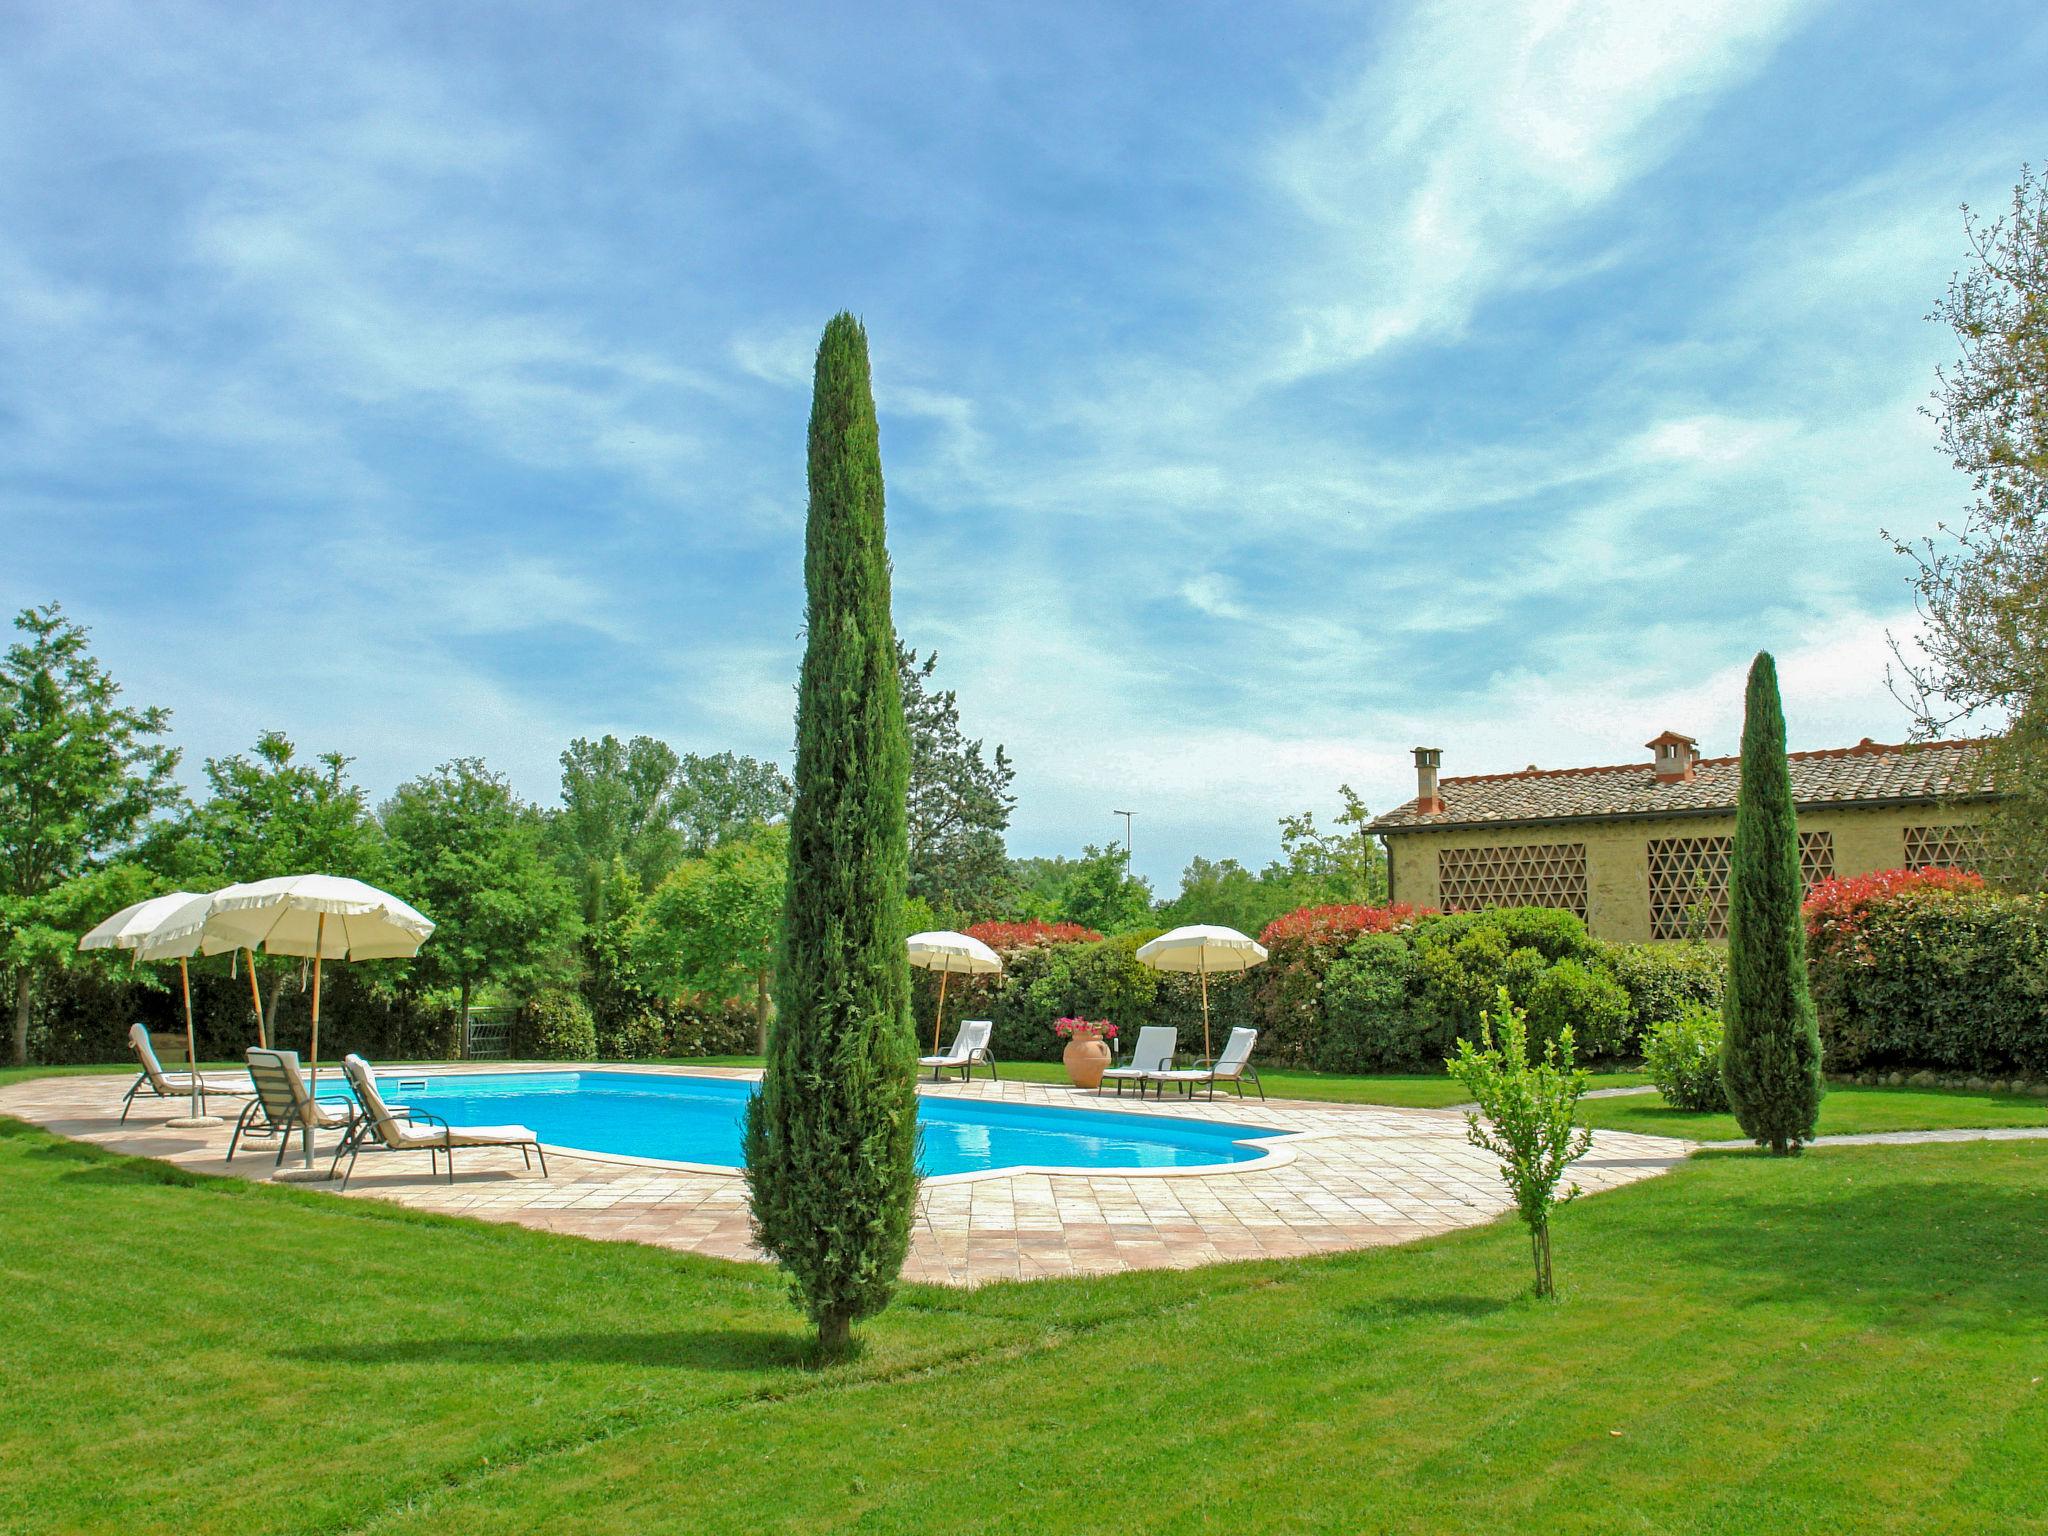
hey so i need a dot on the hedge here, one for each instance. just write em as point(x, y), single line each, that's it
point(1345, 989)
point(1929, 970)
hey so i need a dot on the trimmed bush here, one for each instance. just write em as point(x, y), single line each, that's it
point(554, 1026)
point(1930, 972)
point(1373, 1018)
point(1683, 1056)
point(1663, 980)
point(1584, 999)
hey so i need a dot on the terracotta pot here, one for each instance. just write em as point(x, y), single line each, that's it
point(1086, 1061)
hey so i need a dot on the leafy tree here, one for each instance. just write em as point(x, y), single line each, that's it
point(637, 801)
point(619, 803)
point(832, 1137)
point(80, 776)
point(469, 855)
point(1982, 584)
point(1770, 1054)
point(960, 798)
point(1527, 1107)
point(269, 813)
point(1343, 866)
point(1095, 890)
point(711, 927)
point(1224, 891)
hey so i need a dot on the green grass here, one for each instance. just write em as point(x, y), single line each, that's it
point(1846, 1341)
point(1848, 1110)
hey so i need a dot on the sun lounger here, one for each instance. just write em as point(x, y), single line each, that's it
point(1232, 1067)
point(383, 1127)
point(1153, 1053)
point(284, 1103)
point(968, 1050)
point(163, 1085)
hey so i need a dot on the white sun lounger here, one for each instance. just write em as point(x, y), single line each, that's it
point(968, 1051)
point(1232, 1067)
point(162, 1085)
point(417, 1132)
point(1153, 1054)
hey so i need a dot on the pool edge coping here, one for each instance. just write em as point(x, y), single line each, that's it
point(1276, 1149)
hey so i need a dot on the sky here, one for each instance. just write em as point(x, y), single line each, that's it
point(1264, 391)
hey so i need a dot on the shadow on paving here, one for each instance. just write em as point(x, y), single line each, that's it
point(705, 1349)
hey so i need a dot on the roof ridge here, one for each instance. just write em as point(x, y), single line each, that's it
point(1863, 748)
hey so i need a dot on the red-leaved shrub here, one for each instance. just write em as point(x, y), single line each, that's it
point(1002, 936)
point(1836, 908)
point(1338, 924)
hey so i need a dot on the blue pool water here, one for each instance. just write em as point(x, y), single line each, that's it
point(697, 1120)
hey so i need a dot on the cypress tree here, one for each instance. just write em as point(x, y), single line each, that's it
point(1770, 1052)
point(832, 1137)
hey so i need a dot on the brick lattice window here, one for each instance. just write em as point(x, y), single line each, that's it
point(1947, 847)
point(1689, 881)
point(1539, 875)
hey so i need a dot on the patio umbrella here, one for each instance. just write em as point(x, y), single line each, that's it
point(128, 929)
point(324, 917)
point(950, 954)
point(1203, 949)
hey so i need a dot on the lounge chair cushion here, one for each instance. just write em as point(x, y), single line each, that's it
point(463, 1135)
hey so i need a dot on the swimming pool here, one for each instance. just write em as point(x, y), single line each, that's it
point(697, 1120)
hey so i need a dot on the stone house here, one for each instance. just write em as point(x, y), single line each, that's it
point(1641, 851)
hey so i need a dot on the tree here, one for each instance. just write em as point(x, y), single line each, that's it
point(80, 776)
point(960, 799)
point(270, 814)
point(619, 803)
point(637, 801)
point(1223, 891)
point(1770, 1052)
point(1342, 867)
point(727, 795)
point(1982, 585)
point(469, 855)
point(832, 1137)
point(711, 927)
point(1096, 890)
point(1528, 1107)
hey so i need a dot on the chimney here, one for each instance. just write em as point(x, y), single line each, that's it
point(1427, 801)
point(1675, 756)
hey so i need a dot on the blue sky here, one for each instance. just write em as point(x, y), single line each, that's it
point(1264, 390)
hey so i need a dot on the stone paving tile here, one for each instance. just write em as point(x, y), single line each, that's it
point(1352, 1176)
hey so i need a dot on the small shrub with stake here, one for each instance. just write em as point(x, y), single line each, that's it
point(1527, 1108)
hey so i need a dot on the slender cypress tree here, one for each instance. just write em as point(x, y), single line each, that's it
point(832, 1137)
point(1770, 1052)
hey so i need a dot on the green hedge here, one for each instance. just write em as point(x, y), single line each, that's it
point(1379, 1002)
point(1954, 980)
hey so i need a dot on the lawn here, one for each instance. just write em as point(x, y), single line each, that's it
point(1848, 1110)
point(1850, 1340)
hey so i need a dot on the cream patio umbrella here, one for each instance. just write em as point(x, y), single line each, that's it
point(950, 954)
point(128, 929)
point(1203, 950)
point(324, 917)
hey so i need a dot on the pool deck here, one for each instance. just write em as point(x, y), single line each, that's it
point(1347, 1176)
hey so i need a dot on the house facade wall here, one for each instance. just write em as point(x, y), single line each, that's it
point(1617, 853)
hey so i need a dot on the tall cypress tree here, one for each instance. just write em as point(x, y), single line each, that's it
point(832, 1137)
point(1770, 1054)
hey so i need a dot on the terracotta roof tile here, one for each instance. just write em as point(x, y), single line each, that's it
point(1868, 771)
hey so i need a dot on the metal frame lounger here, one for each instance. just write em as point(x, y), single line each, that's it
point(382, 1126)
point(1154, 1052)
point(1232, 1067)
point(162, 1085)
point(968, 1050)
point(284, 1104)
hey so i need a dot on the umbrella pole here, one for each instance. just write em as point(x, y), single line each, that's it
point(197, 1114)
point(939, 1017)
point(319, 943)
point(256, 1001)
point(1206, 1051)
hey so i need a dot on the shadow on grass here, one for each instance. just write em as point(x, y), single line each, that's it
point(699, 1349)
point(1875, 1245)
point(1393, 1311)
